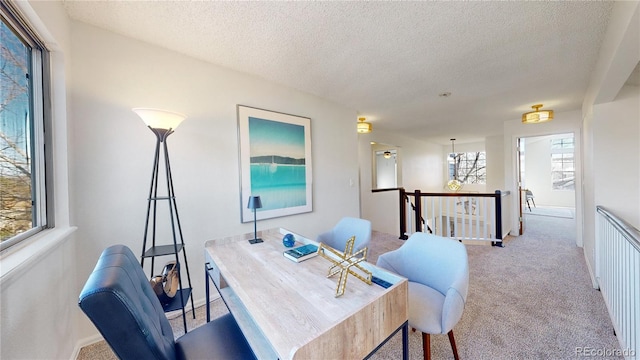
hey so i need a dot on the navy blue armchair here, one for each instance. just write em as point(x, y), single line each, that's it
point(120, 302)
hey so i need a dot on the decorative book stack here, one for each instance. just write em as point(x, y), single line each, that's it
point(301, 253)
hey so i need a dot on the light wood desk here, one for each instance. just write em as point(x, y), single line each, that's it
point(287, 310)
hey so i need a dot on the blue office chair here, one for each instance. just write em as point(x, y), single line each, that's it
point(346, 228)
point(120, 302)
point(438, 272)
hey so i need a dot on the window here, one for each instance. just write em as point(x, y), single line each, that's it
point(23, 125)
point(468, 167)
point(562, 164)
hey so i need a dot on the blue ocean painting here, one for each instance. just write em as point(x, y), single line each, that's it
point(278, 168)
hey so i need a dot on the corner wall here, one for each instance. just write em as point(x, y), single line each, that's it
point(619, 55)
point(564, 122)
point(616, 155)
point(113, 150)
point(421, 168)
point(38, 292)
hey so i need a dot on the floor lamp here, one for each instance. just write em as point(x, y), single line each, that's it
point(163, 123)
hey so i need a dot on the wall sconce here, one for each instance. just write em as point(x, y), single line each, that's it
point(537, 116)
point(363, 127)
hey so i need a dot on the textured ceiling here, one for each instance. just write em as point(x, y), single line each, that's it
point(388, 60)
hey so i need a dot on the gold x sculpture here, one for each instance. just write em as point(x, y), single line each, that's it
point(343, 263)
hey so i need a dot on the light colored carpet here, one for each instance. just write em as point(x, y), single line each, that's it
point(563, 212)
point(532, 299)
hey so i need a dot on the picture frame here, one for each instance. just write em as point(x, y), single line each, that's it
point(275, 163)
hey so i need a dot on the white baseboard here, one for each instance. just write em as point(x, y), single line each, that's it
point(592, 274)
point(85, 342)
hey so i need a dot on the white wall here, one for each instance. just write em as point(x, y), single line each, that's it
point(110, 164)
point(421, 166)
point(616, 155)
point(494, 148)
point(619, 55)
point(563, 122)
point(114, 150)
point(38, 303)
point(537, 162)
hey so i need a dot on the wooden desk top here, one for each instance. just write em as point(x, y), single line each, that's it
point(292, 305)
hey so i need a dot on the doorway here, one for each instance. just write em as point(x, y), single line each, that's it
point(547, 177)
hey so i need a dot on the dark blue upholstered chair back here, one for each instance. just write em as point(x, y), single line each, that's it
point(118, 289)
point(120, 302)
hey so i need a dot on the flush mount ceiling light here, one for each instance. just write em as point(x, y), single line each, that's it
point(387, 154)
point(537, 116)
point(363, 126)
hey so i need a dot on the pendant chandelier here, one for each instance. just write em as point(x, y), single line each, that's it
point(537, 116)
point(454, 184)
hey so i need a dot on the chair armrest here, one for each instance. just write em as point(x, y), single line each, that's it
point(452, 309)
point(391, 261)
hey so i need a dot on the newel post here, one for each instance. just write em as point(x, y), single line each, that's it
point(403, 213)
point(418, 210)
point(498, 200)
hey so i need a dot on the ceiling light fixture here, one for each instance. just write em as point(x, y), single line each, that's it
point(537, 116)
point(387, 154)
point(454, 184)
point(363, 126)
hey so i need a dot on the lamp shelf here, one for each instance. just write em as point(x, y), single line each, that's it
point(162, 198)
point(162, 250)
point(175, 303)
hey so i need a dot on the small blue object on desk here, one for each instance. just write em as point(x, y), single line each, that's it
point(288, 240)
point(383, 283)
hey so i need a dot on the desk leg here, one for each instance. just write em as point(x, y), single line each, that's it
point(405, 341)
point(206, 290)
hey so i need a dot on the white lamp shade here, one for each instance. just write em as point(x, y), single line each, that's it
point(160, 119)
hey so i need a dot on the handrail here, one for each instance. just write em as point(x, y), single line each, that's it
point(497, 195)
point(416, 207)
point(463, 194)
point(627, 230)
point(385, 189)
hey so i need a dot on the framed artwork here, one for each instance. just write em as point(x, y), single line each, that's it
point(275, 162)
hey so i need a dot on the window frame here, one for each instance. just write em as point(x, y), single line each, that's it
point(456, 157)
point(40, 123)
point(559, 146)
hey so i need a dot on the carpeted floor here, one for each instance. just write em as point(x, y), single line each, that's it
point(532, 299)
point(563, 212)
